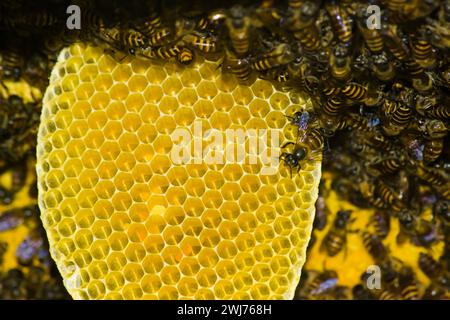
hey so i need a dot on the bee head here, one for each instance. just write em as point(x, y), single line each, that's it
point(342, 218)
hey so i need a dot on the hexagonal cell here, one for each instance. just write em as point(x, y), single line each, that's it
point(94, 139)
point(119, 91)
point(230, 210)
point(203, 108)
point(153, 94)
point(88, 73)
point(121, 201)
point(105, 64)
point(184, 116)
point(276, 119)
point(137, 83)
point(121, 73)
point(171, 86)
point(193, 207)
point(187, 286)
point(134, 103)
point(220, 120)
point(187, 96)
point(156, 74)
point(103, 82)
point(190, 77)
point(173, 235)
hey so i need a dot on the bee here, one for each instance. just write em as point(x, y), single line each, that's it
point(361, 123)
point(36, 70)
point(408, 285)
point(301, 23)
point(302, 119)
point(239, 25)
point(394, 43)
point(368, 191)
point(280, 55)
point(322, 212)
point(160, 36)
point(11, 64)
point(374, 246)
point(421, 232)
point(323, 24)
point(300, 74)
point(340, 62)
point(336, 238)
point(320, 284)
point(388, 165)
point(308, 147)
point(422, 51)
point(164, 52)
point(435, 292)
point(360, 292)
point(430, 267)
point(398, 116)
point(12, 218)
point(354, 91)
point(121, 39)
point(333, 106)
point(186, 56)
point(433, 176)
point(341, 21)
point(205, 44)
point(381, 222)
point(239, 67)
point(383, 67)
point(438, 34)
point(391, 198)
point(441, 112)
point(425, 103)
point(330, 125)
point(432, 150)
point(331, 87)
point(269, 15)
point(441, 210)
point(279, 75)
point(435, 129)
point(372, 37)
point(29, 248)
point(150, 25)
point(133, 38)
point(40, 19)
point(202, 24)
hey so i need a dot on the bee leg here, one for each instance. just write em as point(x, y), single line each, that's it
point(287, 144)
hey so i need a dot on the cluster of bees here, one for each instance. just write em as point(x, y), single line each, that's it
point(381, 101)
point(34, 274)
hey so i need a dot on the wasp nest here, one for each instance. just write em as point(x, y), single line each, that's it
point(125, 221)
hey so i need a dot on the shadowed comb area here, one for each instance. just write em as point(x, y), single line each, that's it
point(124, 221)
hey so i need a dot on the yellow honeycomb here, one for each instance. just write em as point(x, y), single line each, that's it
point(126, 221)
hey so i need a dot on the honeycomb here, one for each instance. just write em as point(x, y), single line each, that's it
point(125, 221)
